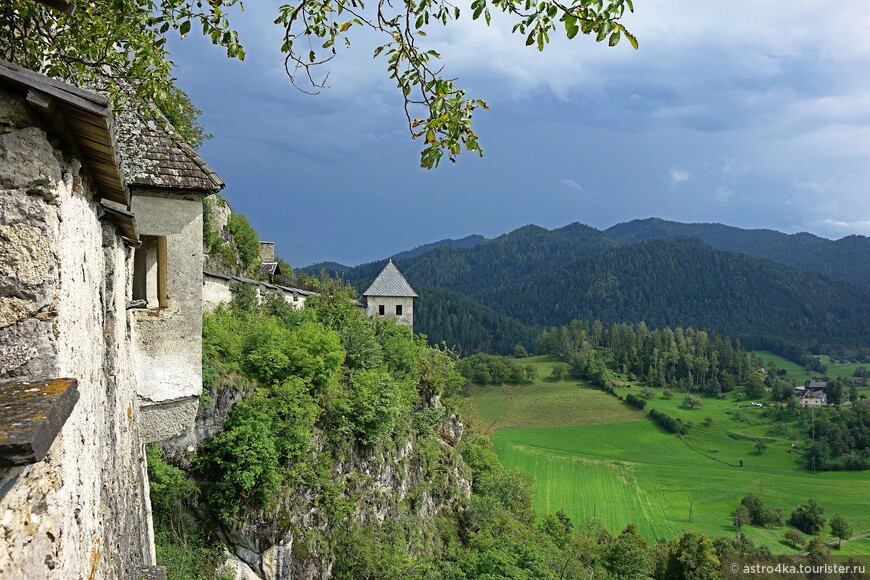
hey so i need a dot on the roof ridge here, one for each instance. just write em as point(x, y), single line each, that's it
point(390, 282)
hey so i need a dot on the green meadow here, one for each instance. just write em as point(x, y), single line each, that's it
point(545, 404)
point(593, 456)
point(797, 372)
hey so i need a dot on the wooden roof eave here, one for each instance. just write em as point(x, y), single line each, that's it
point(83, 117)
point(125, 222)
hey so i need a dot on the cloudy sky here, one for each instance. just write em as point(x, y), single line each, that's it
point(754, 114)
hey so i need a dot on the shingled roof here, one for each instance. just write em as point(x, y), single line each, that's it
point(154, 155)
point(390, 282)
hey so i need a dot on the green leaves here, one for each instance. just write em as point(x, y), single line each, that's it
point(439, 112)
point(571, 26)
point(127, 38)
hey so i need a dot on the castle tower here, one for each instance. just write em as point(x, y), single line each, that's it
point(390, 296)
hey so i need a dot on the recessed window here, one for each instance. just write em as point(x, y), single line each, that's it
point(149, 272)
point(381, 310)
point(398, 309)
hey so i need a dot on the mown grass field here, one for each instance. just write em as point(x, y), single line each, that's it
point(614, 465)
point(544, 403)
point(797, 372)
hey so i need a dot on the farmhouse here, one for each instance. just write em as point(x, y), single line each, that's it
point(812, 394)
point(390, 296)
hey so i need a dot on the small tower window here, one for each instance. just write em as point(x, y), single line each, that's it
point(381, 310)
point(149, 272)
point(398, 309)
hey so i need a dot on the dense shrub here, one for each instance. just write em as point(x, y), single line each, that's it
point(247, 242)
point(691, 402)
point(487, 369)
point(185, 546)
point(808, 518)
point(635, 401)
point(366, 410)
point(758, 514)
point(669, 423)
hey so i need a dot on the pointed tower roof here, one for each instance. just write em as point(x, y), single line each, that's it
point(390, 282)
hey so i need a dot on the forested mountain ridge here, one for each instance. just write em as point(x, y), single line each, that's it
point(466, 242)
point(684, 282)
point(335, 269)
point(466, 325)
point(847, 258)
point(532, 278)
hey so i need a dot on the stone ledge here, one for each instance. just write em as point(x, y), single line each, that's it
point(32, 413)
point(151, 573)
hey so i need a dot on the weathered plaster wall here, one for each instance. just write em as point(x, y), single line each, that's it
point(82, 511)
point(217, 290)
point(389, 303)
point(169, 353)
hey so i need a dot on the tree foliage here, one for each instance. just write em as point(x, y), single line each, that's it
point(437, 110)
point(840, 528)
point(839, 439)
point(757, 513)
point(118, 47)
point(486, 369)
point(809, 517)
point(121, 47)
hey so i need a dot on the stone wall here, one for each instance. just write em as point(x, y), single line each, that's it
point(217, 289)
point(389, 303)
point(82, 512)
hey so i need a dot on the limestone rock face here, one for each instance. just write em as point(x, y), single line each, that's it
point(381, 481)
point(278, 561)
point(236, 569)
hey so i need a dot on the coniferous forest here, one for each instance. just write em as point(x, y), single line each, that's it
point(489, 297)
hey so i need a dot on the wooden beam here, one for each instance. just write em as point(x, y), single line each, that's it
point(65, 93)
point(32, 414)
point(39, 79)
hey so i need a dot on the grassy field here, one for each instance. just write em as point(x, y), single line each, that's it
point(595, 457)
point(544, 404)
point(797, 372)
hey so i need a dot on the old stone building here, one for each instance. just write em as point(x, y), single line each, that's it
point(168, 181)
point(100, 325)
point(390, 296)
point(219, 288)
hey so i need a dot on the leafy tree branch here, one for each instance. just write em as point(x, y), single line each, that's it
point(119, 46)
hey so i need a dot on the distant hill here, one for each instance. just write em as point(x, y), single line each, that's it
point(520, 282)
point(466, 242)
point(685, 282)
point(334, 268)
point(847, 258)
